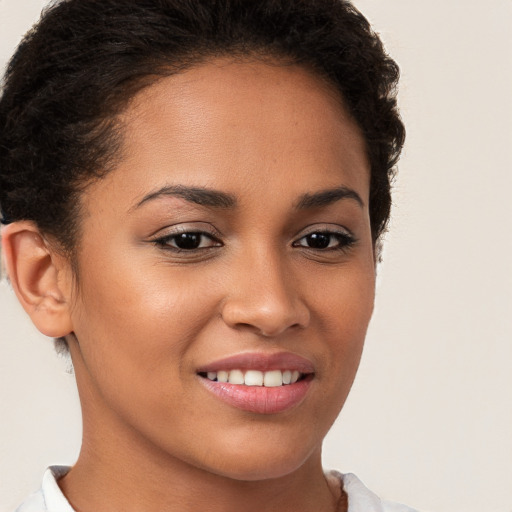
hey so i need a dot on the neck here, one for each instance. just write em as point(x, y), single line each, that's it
point(129, 473)
point(129, 482)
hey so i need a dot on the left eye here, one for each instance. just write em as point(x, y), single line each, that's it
point(325, 240)
point(188, 241)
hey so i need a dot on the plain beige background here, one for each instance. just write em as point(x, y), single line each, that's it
point(429, 420)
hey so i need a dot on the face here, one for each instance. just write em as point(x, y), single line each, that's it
point(232, 243)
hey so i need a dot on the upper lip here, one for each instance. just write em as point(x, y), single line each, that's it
point(260, 361)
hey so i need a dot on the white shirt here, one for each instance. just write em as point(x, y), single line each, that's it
point(50, 498)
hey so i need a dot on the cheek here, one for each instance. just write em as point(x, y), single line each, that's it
point(135, 331)
point(344, 299)
point(136, 326)
point(343, 310)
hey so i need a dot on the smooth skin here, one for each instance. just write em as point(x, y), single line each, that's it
point(236, 221)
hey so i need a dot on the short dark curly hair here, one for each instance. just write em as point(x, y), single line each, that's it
point(77, 69)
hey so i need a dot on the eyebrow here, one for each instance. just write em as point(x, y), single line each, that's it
point(327, 197)
point(222, 200)
point(198, 195)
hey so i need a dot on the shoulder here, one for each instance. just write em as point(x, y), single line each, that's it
point(34, 503)
point(388, 506)
point(49, 498)
point(361, 499)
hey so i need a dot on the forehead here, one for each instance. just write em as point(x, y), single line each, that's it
point(233, 124)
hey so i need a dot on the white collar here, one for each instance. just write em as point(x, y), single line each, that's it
point(360, 498)
point(54, 500)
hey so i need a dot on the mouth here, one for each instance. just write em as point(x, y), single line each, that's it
point(259, 383)
point(268, 379)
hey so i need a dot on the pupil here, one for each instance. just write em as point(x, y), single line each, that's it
point(188, 240)
point(318, 240)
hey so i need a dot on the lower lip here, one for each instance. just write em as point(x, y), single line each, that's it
point(260, 399)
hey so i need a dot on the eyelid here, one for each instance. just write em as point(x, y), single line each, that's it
point(324, 228)
point(164, 238)
point(346, 239)
point(187, 227)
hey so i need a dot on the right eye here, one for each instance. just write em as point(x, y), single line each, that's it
point(187, 241)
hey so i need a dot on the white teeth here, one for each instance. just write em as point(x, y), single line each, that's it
point(236, 377)
point(222, 376)
point(270, 379)
point(273, 379)
point(253, 378)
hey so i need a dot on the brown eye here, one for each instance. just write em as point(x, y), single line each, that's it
point(318, 240)
point(188, 241)
point(326, 240)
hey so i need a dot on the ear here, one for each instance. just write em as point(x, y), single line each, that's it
point(40, 277)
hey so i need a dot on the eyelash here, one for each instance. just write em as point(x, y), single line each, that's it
point(165, 242)
point(345, 241)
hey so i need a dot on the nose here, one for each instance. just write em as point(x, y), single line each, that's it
point(264, 297)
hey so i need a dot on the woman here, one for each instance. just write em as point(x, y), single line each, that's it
point(193, 195)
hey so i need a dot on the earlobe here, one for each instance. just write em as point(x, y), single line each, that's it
point(39, 276)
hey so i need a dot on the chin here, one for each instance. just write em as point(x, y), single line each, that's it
point(262, 462)
point(258, 470)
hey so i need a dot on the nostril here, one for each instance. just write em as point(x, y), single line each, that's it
point(267, 307)
point(270, 334)
point(265, 321)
